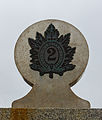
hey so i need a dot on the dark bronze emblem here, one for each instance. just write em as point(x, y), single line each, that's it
point(51, 53)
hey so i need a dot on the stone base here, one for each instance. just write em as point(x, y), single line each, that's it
point(50, 114)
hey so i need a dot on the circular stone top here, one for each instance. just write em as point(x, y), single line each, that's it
point(51, 50)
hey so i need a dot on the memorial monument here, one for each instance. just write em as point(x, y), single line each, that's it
point(51, 55)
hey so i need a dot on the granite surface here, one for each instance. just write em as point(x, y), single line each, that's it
point(50, 114)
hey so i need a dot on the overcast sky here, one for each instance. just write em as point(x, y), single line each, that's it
point(17, 15)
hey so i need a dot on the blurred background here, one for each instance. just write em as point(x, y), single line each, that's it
point(17, 15)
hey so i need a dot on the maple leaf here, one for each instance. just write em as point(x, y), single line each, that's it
point(51, 53)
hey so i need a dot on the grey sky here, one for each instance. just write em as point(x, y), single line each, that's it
point(16, 15)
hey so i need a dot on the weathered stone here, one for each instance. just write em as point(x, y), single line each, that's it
point(47, 92)
point(50, 114)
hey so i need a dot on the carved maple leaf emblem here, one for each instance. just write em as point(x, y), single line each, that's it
point(51, 53)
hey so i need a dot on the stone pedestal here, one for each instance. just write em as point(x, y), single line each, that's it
point(50, 114)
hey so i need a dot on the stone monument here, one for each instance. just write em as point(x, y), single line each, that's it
point(51, 56)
